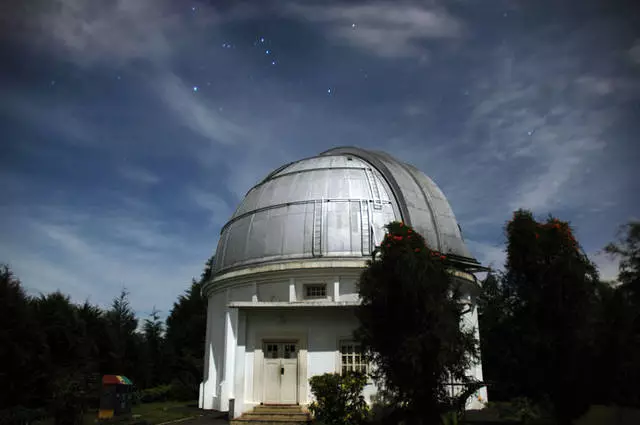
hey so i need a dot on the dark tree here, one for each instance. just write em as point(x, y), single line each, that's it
point(627, 249)
point(410, 325)
point(619, 368)
point(185, 334)
point(548, 298)
point(153, 351)
point(23, 353)
point(124, 342)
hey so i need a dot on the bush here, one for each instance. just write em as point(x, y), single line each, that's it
point(20, 415)
point(339, 399)
point(518, 409)
point(159, 393)
point(69, 400)
point(181, 391)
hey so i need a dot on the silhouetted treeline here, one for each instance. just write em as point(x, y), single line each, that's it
point(53, 352)
point(552, 331)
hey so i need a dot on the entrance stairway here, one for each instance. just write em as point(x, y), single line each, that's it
point(274, 415)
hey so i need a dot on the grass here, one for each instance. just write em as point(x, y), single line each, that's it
point(156, 413)
point(152, 413)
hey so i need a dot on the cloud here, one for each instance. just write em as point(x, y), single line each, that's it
point(115, 32)
point(197, 114)
point(608, 266)
point(381, 28)
point(489, 255)
point(219, 210)
point(634, 52)
point(34, 111)
point(138, 175)
point(93, 255)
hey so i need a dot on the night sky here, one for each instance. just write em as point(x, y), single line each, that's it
point(131, 129)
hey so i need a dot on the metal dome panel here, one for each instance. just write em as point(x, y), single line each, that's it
point(335, 205)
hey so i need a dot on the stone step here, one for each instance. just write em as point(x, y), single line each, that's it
point(274, 415)
point(295, 409)
point(277, 415)
point(262, 420)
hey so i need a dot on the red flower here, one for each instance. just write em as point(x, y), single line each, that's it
point(417, 250)
point(442, 257)
point(408, 230)
point(537, 236)
point(398, 238)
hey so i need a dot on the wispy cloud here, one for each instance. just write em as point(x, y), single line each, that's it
point(634, 52)
point(117, 31)
point(493, 256)
point(217, 208)
point(383, 29)
point(608, 266)
point(95, 255)
point(198, 115)
point(137, 174)
point(36, 112)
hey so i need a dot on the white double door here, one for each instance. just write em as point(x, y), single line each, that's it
point(280, 373)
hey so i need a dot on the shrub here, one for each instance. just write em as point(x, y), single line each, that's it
point(182, 391)
point(339, 399)
point(518, 409)
point(159, 393)
point(69, 400)
point(20, 415)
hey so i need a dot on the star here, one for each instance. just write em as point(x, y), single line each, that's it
point(329, 91)
point(261, 39)
point(195, 88)
point(53, 82)
point(530, 132)
point(193, 9)
point(267, 52)
point(353, 26)
point(273, 62)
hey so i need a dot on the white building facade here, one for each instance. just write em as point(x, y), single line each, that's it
point(283, 295)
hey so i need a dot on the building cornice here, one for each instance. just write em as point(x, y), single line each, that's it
point(266, 273)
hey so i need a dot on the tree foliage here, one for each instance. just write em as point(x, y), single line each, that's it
point(410, 324)
point(539, 318)
point(627, 249)
point(54, 351)
point(619, 329)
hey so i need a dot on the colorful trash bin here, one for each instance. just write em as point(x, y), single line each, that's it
point(116, 396)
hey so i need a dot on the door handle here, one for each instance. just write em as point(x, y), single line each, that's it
point(282, 371)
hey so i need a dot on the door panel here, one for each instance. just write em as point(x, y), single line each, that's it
point(289, 378)
point(280, 373)
point(272, 381)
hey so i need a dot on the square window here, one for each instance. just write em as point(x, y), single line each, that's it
point(316, 291)
point(351, 357)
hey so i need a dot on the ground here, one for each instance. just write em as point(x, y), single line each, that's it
point(160, 413)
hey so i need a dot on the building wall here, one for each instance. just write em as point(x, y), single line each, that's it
point(234, 358)
point(214, 351)
point(318, 331)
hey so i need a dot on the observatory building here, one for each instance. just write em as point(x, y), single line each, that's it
point(282, 297)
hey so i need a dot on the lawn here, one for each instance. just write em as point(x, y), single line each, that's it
point(151, 413)
point(156, 413)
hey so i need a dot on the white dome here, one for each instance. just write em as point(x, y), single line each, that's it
point(335, 205)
